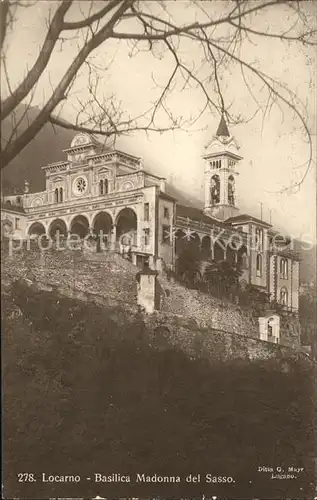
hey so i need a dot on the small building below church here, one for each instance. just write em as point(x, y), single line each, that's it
point(97, 191)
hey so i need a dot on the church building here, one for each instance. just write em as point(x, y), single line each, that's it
point(98, 190)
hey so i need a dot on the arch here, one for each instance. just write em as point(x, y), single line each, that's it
point(284, 296)
point(127, 225)
point(242, 258)
point(284, 268)
point(6, 227)
point(57, 226)
point(161, 335)
point(206, 247)
point(193, 243)
point(102, 222)
point(194, 238)
point(259, 238)
point(189, 240)
point(259, 265)
point(219, 251)
point(127, 186)
point(80, 226)
point(36, 229)
point(231, 190)
point(103, 186)
point(179, 241)
point(37, 202)
point(231, 254)
point(81, 139)
point(215, 189)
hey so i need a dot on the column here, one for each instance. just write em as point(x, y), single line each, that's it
point(113, 238)
point(212, 250)
point(207, 191)
point(263, 328)
point(225, 253)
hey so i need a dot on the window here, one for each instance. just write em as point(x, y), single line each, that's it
point(58, 195)
point(245, 261)
point(231, 190)
point(215, 189)
point(146, 211)
point(103, 186)
point(166, 234)
point(284, 296)
point(259, 239)
point(215, 164)
point(146, 236)
point(17, 223)
point(284, 268)
point(166, 213)
point(259, 265)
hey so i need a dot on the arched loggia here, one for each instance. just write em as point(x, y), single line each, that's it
point(36, 229)
point(102, 227)
point(79, 226)
point(57, 226)
point(219, 251)
point(126, 227)
point(206, 248)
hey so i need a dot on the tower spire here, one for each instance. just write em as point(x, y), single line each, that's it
point(221, 160)
point(222, 128)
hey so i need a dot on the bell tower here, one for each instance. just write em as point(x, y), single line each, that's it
point(221, 160)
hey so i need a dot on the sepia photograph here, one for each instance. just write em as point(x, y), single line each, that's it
point(158, 249)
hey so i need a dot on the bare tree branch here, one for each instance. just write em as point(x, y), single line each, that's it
point(91, 19)
point(14, 148)
point(33, 75)
point(219, 35)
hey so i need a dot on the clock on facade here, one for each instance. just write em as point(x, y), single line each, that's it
point(80, 185)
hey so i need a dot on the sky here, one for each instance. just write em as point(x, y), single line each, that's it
point(273, 148)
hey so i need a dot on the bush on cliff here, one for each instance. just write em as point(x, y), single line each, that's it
point(84, 395)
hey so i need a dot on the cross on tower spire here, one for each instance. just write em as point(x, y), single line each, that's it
point(222, 128)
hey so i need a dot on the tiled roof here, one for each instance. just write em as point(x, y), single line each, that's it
point(167, 196)
point(197, 214)
point(247, 218)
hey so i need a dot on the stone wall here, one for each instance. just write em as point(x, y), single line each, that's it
point(208, 311)
point(290, 331)
point(109, 279)
point(216, 345)
point(105, 275)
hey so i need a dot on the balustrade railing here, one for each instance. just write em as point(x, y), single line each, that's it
point(223, 233)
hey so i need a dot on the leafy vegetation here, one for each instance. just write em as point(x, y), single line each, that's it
point(85, 391)
point(308, 319)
